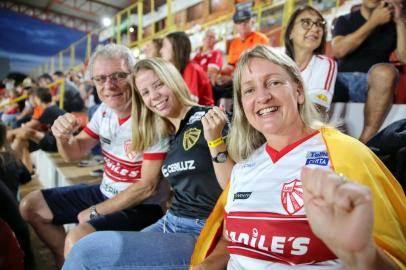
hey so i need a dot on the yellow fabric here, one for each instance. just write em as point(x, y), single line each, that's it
point(389, 200)
point(210, 229)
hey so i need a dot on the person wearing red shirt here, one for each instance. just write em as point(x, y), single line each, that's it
point(210, 59)
point(176, 49)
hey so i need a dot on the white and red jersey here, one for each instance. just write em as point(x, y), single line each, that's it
point(121, 166)
point(209, 59)
point(319, 77)
point(264, 216)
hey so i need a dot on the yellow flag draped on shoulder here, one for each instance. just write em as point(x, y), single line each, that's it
point(354, 160)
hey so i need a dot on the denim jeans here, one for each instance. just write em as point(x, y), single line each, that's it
point(356, 84)
point(167, 245)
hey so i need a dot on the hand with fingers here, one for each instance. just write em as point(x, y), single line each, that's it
point(382, 14)
point(396, 8)
point(213, 123)
point(340, 213)
point(64, 127)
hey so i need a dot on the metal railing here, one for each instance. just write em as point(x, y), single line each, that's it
point(273, 14)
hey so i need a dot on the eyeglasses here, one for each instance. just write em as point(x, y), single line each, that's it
point(115, 77)
point(307, 24)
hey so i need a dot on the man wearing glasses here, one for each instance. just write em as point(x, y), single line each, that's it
point(363, 41)
point(126, 199)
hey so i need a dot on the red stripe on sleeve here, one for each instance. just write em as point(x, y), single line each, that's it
point(154, 156)
point(91, 133)
point(328, 74)
point(334, 71)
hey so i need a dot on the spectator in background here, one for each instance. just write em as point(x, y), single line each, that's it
point(28, 108)
point(363, 41)
point(11, 110)
point(153, 48)
point(73, 101)
point(12, 171)
point(44, 80)
point(75, 77)
point(210, 59)
point(247, 38)
point(305, 43)
point(176, 48)
point(12, 174)
point(35, 134)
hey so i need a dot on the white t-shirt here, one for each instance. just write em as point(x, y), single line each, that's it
point(121, 167)
point(319, 77)
point(265, 218)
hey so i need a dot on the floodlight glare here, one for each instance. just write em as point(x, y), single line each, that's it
point(106, 21)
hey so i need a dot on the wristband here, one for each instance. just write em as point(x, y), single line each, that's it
point(216, 142)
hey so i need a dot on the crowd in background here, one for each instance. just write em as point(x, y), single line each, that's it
point(174, 100)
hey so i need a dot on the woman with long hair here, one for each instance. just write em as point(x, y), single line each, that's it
point(176, 48)
point(301, 193)
point(305, 43)
point(196, 166)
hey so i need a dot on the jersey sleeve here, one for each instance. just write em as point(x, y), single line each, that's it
point(92, 128)
point(217, 60)
point(157, 151)
point(321, 90)
point(191, 78)
point(341, 26)
point(263, 40)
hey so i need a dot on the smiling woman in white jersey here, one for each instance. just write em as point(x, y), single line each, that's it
point(278, 217)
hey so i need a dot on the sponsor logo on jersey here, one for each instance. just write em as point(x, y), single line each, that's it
point(241, 195)
point(271, 243)
point(120, 171)
point(274, 237)
point(130, 154)
point(190, 138)
point(197, 116)
point(317, 158)
point(180, 166)
point(292, 196)
point(105, 140)
point(248, 165)
point(109, 189)
point(322, 97)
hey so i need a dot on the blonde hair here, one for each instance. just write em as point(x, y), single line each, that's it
point(244, 138)
point(147, 126)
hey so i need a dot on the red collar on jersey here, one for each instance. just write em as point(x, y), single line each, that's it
point(276, 155)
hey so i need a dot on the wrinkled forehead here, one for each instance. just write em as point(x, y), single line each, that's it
point(109, 64)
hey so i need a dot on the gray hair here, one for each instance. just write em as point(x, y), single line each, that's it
point(112, 51)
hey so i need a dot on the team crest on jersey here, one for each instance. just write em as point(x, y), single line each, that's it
point(191, 137)
point(322, 97)
point(317, 158)
point(130, 154)
point(292, 196)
